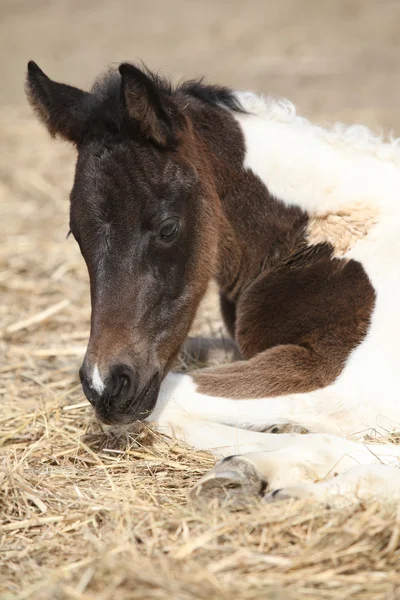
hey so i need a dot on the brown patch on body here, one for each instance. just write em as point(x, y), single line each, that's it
point(296, 325)
point(294, 309)
point(342, 229)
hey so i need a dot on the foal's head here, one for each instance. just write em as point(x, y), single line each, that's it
point(141, 214)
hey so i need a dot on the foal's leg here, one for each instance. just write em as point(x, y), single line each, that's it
point(217, 438)
point(320, 467)
point(187, 398)
point(361, 483)
point(271, 461)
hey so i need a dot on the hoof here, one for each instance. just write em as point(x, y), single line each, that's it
point(233, 479)
point(295, 492)
point(285, 428)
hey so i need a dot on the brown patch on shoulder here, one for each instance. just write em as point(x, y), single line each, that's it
point(296, 326)
point(281, 370)
point(342, 229)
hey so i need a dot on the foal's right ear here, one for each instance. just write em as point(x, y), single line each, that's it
point(59, 106)
point(148, 105)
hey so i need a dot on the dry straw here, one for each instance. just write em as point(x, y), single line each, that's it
point(90, 514)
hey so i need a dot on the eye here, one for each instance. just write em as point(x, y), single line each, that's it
point(169, 229)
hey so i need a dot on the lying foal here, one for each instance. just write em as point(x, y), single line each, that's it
point(299, 225)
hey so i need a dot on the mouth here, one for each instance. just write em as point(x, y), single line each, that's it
point(133, 409)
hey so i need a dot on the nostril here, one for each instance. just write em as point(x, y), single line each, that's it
point(122, 381)
point(117, 388)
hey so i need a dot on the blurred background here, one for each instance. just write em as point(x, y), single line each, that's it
point(332, 57)
point(335, 59)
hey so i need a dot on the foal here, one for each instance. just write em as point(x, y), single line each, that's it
point(300, 226)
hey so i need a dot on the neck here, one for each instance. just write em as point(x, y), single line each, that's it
point(256, 231)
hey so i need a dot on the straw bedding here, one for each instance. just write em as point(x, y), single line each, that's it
point(87, 513)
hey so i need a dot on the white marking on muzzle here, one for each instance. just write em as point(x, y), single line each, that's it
point(97, 382)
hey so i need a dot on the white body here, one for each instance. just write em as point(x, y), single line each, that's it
point(337, 172)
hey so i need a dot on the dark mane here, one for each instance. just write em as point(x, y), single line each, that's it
point(212, 94)
point(105, 97)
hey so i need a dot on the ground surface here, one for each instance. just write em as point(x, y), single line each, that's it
point(106, 517)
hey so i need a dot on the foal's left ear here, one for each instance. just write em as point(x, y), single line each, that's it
point(148, 105)
point(62, 108)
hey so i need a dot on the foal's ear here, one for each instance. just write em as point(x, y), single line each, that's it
point(147, 104)
point(59, 106)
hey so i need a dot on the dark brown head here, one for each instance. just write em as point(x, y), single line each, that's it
point(143, 214)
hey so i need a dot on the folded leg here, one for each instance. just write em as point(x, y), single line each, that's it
point(326, 410)
point(359, 484)
point(316, 466)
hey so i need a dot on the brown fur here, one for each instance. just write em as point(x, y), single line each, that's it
point(295, 311)
point(296, 326)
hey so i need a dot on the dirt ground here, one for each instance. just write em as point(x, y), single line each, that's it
point(106, 516)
